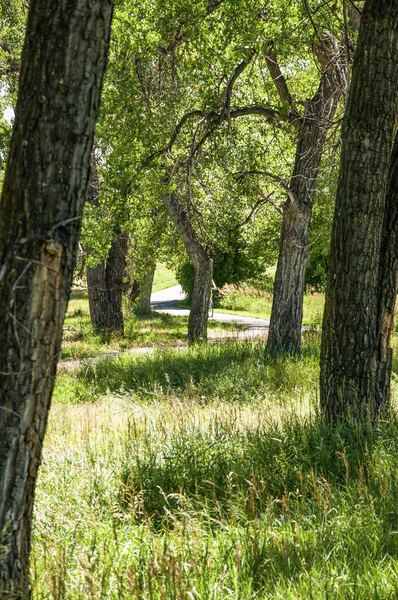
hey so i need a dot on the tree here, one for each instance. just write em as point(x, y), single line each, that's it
point(203, 267)
point(105, 287)
point(197, 74)
point(363, 264)
point(105, 279)
point(311, 125)
point(287, 307)
point(63, 61)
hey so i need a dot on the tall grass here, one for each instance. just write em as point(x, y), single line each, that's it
point(172, 480)
point(239, 371)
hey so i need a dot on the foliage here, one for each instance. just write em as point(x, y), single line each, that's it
point(164, 278)
point(12, 30)
point(165, 62)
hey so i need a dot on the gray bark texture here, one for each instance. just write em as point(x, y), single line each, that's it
point(105, 288)
point(287, 308)
point(141, 293)
point(357, 307)
point(105, 280)
point(203, 267)
point(63, 61)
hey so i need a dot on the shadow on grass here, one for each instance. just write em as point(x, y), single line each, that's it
point(309, 472)
point(236, 371)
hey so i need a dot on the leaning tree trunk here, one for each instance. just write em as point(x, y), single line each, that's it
point(105, 288)
point(40, 213)
point(203, 267)
point(388, 281)
point(351, 326)
point(287, 307)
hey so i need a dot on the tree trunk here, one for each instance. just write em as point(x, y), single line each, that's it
point(287, 307)
point(105, 288)
point(40, 213)
point(141, 293)
point(203, 267)
point(351, 341)
point(105, 281)
point(388, 281)
point(199, 312)
point(133, 291)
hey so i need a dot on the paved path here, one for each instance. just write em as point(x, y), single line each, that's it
point(166, 301)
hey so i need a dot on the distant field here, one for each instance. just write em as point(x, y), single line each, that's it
point(164, 278)
point(252, 303)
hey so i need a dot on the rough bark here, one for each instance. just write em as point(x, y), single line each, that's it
point(40, 212)
point(105, 280)
point(351, 326)
point(203, 267)
point(287, 307)
point(140, 293)
point(133, 291)
point(105, 288)
point(388, 281)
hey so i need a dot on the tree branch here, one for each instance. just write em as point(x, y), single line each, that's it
point(213, 118)
point(263, 200)
point(271, 114)
point(276, 178)
point(278, 78)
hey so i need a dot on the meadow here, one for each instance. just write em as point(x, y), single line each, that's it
point(207, 473)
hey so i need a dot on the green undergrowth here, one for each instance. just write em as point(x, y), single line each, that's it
point(156, 329)
point(239, 371)
point(208, 474)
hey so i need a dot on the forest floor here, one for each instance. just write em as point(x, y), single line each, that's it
point(208, 475)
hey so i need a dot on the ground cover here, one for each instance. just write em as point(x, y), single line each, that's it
point(164, 278)
point(157, 329)
point(254, 303)
point(208, 474)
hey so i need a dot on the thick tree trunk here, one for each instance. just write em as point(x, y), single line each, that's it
point(284, 334)
point(105, 288)
point(40, 213)
point(351, 327)
point(105, 281)
point(203, 266)
point(388, 281)
point(287, 307)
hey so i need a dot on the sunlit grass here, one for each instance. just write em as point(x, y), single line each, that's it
point(239, 371)
point(254, 303)
point(208, 474)
point(154, 330)
point(164, 278)
point(175, 487)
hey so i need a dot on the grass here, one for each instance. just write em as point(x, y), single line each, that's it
point(155, 330)
point(253, 303)
point(236, 370)
point(208, 475)
point(164, 278)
